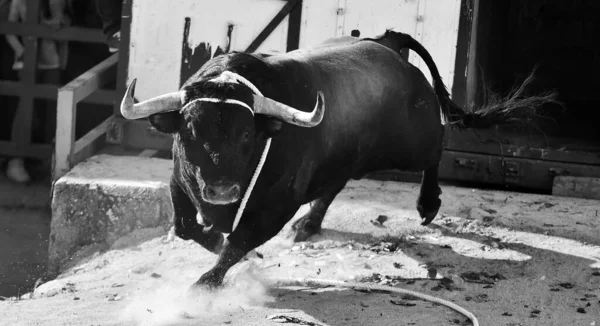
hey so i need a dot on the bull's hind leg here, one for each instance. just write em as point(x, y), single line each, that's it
point(428, 203)
point(310, 223)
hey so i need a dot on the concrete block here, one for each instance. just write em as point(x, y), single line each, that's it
point(105, 198)
point(581, 187)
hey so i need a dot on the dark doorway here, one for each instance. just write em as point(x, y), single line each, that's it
point(561, 39)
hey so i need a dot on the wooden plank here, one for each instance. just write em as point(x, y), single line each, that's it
point(93, 79)
point(293, 36)
point(580, 187)
point(38, 151)
point(65, 132)
point(90, 143)
point(513, 144)
point(103, 96)
point(516, 172)
point(78, 34)
point(50, 92)
point(262, 36)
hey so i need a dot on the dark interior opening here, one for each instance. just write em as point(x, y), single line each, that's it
point(561, 38)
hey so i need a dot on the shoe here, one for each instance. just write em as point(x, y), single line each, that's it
point(113, 42)
point(16, 172)
point(18, 64)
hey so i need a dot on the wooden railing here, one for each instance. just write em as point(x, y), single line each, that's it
point(86, 88)
point(70, 151)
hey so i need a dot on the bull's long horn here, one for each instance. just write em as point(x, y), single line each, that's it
point(164, 103)
point(267, 106)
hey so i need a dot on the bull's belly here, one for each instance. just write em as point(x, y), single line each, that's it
point(412, 155)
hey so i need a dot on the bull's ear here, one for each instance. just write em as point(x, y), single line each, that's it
point(167, 123)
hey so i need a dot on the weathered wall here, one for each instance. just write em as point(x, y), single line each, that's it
point(105, 198)
point(158, 58)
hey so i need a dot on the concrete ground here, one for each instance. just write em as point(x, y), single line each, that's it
point(510, 258)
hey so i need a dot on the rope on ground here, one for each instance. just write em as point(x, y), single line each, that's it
point(313, 282)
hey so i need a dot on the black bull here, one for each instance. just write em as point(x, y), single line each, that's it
point(380, 112)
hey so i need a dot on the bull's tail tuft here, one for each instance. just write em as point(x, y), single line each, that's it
point(515, 107)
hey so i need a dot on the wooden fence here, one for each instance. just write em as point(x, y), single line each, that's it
point(86, 88)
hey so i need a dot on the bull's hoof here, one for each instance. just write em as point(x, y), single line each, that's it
point(209, 281)
point(304, 228)
point(428, 209)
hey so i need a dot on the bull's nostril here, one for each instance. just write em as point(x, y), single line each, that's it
point(210, 192)
point(235, 191)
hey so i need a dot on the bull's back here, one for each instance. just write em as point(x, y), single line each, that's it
point(376, 104)
point(372, 90)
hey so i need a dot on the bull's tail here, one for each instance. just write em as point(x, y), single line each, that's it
point(497, 110)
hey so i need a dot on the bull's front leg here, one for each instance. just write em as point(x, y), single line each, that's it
point(185, 223)
point(229, 256)
point(253, 230)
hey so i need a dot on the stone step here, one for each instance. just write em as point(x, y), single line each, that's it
point(105, 198)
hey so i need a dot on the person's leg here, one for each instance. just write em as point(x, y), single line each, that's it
point(15, 168)
point(110, 14)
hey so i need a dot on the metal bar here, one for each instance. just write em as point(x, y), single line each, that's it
point(90, 143)
point(65, 132)
point(50, 92)
point(340, 18)
point(93, 79)
point(472, 63)
point(291, 4)
point(293, 36)
point(123, 66)
point(465, 26)
point(77, 34)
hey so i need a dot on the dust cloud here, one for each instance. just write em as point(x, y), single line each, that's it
point(167, 301)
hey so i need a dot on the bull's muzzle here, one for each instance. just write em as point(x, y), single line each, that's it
point(221, 192)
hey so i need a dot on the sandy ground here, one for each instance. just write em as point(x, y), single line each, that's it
point(510, 258)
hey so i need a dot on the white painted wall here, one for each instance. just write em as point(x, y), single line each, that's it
point(157, 30)
point(437, 29)
point(157, 35)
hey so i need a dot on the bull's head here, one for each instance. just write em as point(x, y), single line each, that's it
point(216, 136)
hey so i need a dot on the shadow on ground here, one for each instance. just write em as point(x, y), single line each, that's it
point(24, 231)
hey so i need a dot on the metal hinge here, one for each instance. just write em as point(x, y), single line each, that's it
point(465, 163)
point(512, 171)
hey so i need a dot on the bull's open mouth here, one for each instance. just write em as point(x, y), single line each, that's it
point(221, 201)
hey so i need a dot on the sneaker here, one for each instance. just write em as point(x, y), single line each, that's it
point(113, 42)
point(18, 64)
point(16, 172)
